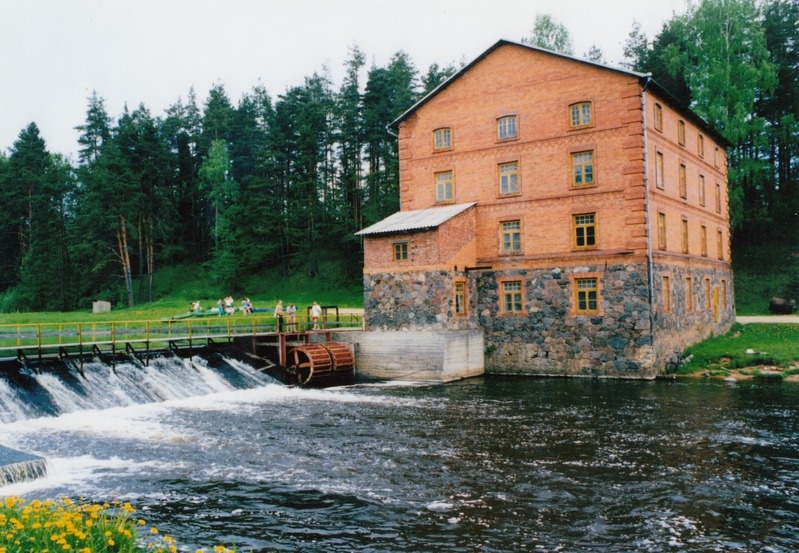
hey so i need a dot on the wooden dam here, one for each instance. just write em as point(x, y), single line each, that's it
point(295, 354)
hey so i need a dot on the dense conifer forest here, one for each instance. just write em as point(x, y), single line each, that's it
point(281, 183)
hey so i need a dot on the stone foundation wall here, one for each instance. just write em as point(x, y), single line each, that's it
point(413, 301)
point(623, 339)
point(686, 323)
point(548, 339)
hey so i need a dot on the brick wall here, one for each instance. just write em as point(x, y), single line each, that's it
point(634, 331)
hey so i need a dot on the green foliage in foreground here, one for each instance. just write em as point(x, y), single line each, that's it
point(746, 346)
point(64, 525)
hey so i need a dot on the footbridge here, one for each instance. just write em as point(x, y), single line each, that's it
point(294, 352)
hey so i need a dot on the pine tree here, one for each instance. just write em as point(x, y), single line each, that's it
point(40, 184)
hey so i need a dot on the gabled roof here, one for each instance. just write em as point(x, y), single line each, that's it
point(646, 80)
point(420, 219)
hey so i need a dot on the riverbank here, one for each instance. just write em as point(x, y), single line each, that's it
point(757, 348)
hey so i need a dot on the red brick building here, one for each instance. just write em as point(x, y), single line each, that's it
point(571, 211)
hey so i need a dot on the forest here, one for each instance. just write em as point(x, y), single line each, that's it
point(281, 184)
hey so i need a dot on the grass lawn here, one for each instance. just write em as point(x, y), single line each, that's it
point(177, 287)
point(750, 347)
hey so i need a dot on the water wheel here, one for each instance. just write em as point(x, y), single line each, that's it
point(342, 357)
point(315, 361)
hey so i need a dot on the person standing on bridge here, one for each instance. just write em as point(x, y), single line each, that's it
point(279, 315)
point(316, 310)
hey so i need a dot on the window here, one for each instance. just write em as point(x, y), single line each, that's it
point(658, 117)
point(701, 189)
point(684, 234)
point(703, 240)
point(681, 133)
point(716, 156)
point(586, 295)
point(707, 294)
point(659, 180)
point(509, 178)
point(718, 198)
point(400, 251)
point(724, 294)
point(700, 146)
point(580, 114)
point(666, 291)
point(442, 139)
point(662, 231)
point(689, 294)
point(720, 245)
point(511, 236)
point(683, 183)
point(506, 127)
point(512, 296)
point(460, 298)
point(582, 168)
point(584, 231)
point(444, 187)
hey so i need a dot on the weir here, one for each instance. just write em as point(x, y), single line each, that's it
point(288, 356)
point(16, 466)
point(58, 369)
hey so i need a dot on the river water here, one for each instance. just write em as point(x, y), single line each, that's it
point(494, 464)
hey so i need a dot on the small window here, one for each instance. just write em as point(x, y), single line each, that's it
point(689, 294)
point(724, 294)
point(662, 231)
point(718, 198)
point(509, 178)
point(666, 291)
point(658, 117)
point(586, 295)
point(659, 179)
point(585, 231)
point(716, 156)
point(683, 182)
point(720, 245)
point(512, 296)
point(400, 251)
point(700, 146)
point(582, 168)
point(460, 298)
point(684, 233)
point(681, 133)
point(442, 139)
point(511, 236)
point(703, 240)
point(580, 115)
point(444, 187)
point(702, 190)
point(506, 127)
point(707, 294)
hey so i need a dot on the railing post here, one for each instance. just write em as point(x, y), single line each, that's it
point(147, 342)
point(39, 340)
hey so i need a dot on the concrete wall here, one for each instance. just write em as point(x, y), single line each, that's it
point(426, 355)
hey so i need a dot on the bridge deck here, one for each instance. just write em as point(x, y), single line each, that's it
point(51, 338)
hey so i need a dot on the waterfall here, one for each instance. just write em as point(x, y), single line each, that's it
point(26, 394)
point(61, 389)
point(16, 466)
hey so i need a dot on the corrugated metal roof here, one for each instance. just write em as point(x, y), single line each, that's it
point(415, 220)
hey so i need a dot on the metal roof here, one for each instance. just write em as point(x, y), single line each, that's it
point(419, 219)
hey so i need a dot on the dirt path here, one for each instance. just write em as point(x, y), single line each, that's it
point(768, 319)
